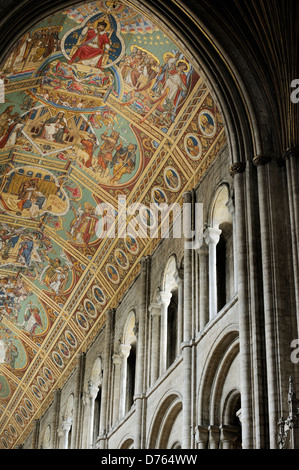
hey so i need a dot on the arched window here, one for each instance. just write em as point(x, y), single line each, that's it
point(131, 368)
point(219, 238)
point(97, 416)
point(168, 306)
point(128, 365)
point(172, 327)
point(94, 389)
point(65, 430)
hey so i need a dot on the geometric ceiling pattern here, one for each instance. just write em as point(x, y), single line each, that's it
point(104, 119)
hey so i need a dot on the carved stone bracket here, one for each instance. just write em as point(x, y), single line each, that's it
point(261, 160)
point(238, 167)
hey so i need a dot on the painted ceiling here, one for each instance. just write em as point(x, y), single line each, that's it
point(103, 112)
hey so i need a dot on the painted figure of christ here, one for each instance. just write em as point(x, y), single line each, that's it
point(96, 42)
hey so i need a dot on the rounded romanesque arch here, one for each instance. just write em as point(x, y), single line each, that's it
point(165, 430)
point(127, 443)
point(220, 375)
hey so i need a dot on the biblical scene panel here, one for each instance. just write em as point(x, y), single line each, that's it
point(103, 112)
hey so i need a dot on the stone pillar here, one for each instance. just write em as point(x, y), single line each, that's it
point(165, 301)
point(78, 405)
point(155, 312)
point(238, 173)
point(141, 356)
point(203, 255)
point(85, 420)
point(93, 392)
point(186, 345)
point(64, 434)
point(116, 387)
point(231, 207)
point(124, 353)
point(292, 172)
point(211, 236)
point(36, 431)
point(56, 413)
point(104, 424)
point(271, 281)
point(179, 279)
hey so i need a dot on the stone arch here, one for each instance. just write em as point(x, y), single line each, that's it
point(128, 336)
point(96, 373)
point(219, 236)
point(217, 364)
point(219, 212)
point(46, 438)
point(216, 398)
point(94, 391)
point(168, 282)
point(164, 421)
point(127, 443)
point(69, 408)
point(128, 349)
point(231, 412)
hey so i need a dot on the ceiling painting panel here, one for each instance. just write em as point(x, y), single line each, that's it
point(105, 119)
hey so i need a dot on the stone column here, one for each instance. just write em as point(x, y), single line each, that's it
point(104, 424)
point(56, 413)
point(64, 434)
point(141, 356)
point(124, 353)
point(231, 207)
point(155, 312)
point(93, 392)
point(165, 301)
point(85, 420)
point(36, 431)
point(78, 405)
point(211, 236)
point(186, 345)
point(237, 171)
point(203, 255)
point(269, 287)
point(116, 387)
point(179, 279)
point(292, 172)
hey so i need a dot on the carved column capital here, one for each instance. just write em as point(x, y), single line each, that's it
point(93, 391)
point(212, 235)
point(214, 437)
point(228, 435)
point(261, 160)
point(238, 167)
point(155, 309)
point(291, 152)
point(125, 350)
point(66, 425)
point(201, 436)
point(165, 298)
point(187, 196)
point(116, 359)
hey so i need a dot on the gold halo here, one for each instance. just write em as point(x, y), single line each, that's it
point(188, 66)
